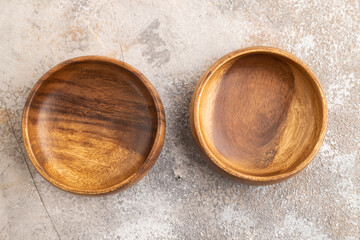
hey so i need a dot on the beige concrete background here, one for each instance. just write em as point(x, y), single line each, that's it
point(172, 43)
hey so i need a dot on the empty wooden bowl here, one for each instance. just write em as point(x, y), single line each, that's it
point(259, 115)
point(93, 125)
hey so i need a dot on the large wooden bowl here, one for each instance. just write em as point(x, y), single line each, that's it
point(93, 125)
point(259, 115)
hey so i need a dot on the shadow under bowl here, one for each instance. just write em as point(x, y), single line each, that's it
point(258, 115)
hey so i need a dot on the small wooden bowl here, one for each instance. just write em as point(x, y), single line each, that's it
point(259, 115)
point(93, 125)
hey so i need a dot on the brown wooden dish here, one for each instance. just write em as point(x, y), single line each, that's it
point(93, 125)
point(259, 115)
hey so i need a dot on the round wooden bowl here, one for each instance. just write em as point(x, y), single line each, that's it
point(259, 115)
point(93, 125)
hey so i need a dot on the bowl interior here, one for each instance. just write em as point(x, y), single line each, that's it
point(91, 125)
point(260, 114)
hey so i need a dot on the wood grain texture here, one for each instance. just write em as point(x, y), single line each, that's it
point(93, 125)
point(259, 115)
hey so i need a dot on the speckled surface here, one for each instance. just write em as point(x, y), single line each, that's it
point(172, 43)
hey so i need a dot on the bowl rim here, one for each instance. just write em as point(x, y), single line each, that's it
point(195, 122)
point(157, 143)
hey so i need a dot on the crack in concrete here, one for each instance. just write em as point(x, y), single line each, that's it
point(122, 53)
point(97, 36)
point(3, 228)
point(32, 177)
point(5, 169)
point(114, 16)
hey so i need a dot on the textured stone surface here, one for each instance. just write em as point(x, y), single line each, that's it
point(172, 43)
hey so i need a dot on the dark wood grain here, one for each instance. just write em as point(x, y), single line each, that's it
point(93, 125)
point(259, 115)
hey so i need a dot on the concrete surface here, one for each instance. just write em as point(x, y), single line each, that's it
point(172, 43)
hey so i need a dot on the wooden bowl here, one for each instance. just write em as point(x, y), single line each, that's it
point(259, 115)
point(93, 125)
